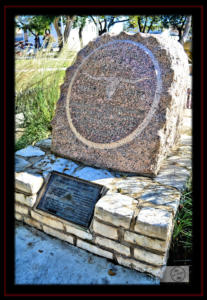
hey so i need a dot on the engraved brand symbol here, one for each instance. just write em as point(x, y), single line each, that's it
point(113, 83)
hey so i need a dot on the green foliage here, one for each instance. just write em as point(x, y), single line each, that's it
point(37, 94)
point(35, 24)
point(176, 21)
point(38, 105)
point(80, 21)
point(181, 246)
point(145, 23)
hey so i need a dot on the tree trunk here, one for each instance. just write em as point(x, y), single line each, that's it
point(101, 31)
point(145, 23)
point(59, 34)
point(139, 24)
point(180, 34)
point(68, 27)
point(152, 21)
point(25, 36)
point(186, 30)
point(80, 36)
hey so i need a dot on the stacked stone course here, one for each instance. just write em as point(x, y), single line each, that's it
point(132, 224)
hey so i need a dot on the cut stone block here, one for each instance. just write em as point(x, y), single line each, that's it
point(59, 235)
point(149, 257)
point(28, 183)
point(78, 232)
point(44, 144)
point(26, 200)
point(32, 222)
point(113, 245)
point(21, 209)
point(154, 222)
point(94, 249)
point(105, 230)
point(173, 175)
point(91, 174)
point(116, 209)
point(30, 151)
point(21, 164)
point(158, 194)
point(144, 241)
point(51, 163)
point(47, 220)
point(18, 217)
point(140, 266)
point(122, 101)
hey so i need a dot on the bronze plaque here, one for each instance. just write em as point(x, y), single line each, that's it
point(70, 198)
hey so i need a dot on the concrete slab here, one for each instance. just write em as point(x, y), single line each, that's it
point(42, 259)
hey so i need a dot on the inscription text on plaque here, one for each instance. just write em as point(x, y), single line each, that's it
point(70, 198)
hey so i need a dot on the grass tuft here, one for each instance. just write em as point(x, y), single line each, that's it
point(181, 246)
point(37, 89)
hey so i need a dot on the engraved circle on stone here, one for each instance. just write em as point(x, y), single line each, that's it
point(146, 120)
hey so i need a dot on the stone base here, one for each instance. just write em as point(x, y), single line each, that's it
point(132, 224)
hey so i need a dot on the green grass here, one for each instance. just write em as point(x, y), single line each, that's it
point(37, 94)
point(181, 246)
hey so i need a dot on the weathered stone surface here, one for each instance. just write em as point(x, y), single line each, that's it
point(51, 163)
point(94, 249)
point(141, 267)
point(59, 235)
point(18, 216)
point(161, 195)
point(78, 232)
point(105, 230)
point(21, 209)
point(154, 222)
point(130, 186)
point(116, 209)
point(32, 222)
point(26, 200)
point(113, 245)
point(144, 241)
point(149, 257)
point(47, 220)
point(88, 173)
point(28, 183)
point(30, 151)
point(173, 175)
point(21, 164)
point(44, 144)
point(122, 102)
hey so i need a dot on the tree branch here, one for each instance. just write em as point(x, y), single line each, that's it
point(139, 24)
point(119, 21)
point(25, 26)
point(93, 20)
point(152, 21)
point(186, 30)
point(145, 23)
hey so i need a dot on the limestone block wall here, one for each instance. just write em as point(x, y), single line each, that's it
point(132, 224)
point(133, 236)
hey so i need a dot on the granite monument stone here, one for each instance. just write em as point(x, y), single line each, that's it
point(121, 103)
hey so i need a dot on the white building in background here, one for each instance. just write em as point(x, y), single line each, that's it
point(89, 33)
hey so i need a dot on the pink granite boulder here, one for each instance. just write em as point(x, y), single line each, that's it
point(121, 103)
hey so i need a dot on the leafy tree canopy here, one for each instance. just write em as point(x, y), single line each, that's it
point(35, 24)
point(145, 23)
